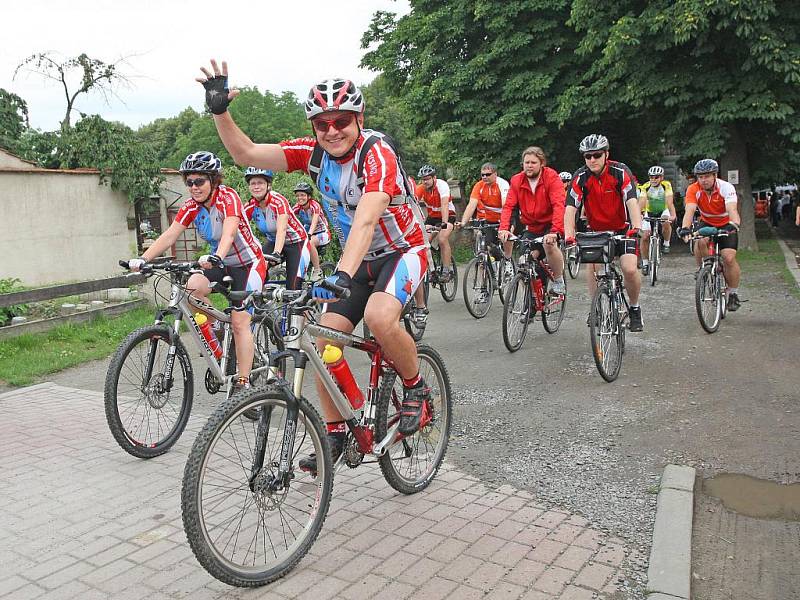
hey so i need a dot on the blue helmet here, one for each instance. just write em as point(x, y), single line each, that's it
point(706, 165)
point(253, 171)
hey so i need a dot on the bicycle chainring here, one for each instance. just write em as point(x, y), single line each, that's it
point(352, 455)
point(212, 384)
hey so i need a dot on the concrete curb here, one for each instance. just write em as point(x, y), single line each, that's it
point(791, 260)
point(669, 572)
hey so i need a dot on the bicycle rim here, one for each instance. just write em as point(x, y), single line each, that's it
point(707, 300)
point(504, 278)
point(516, 312)
point(723, 287)
point(450, 288)
point(477, 288)
point(147, 415)
point(555, 307)
point(410, 466)
point(605, 335)
point(654, 260)
point(241, 533)
point(573, 266)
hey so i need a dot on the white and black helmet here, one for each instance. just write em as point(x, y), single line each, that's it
point(593, 142)
point(426, 170)
point(655, 171)
point(706, 165)
point(254, 171)
point(201, 162)
point(333, 94)
point(565, 176)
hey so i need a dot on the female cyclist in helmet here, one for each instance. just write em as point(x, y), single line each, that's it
point(313, 219)
point(219, 216)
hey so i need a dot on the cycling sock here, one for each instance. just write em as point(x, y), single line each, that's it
point(413, 382)
point(733, 291)
point(645, 262)
point(559, 279)
point(666, 244)
point(634, 306)
point(336, 427)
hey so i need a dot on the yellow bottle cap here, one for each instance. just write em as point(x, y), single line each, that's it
point(331, 354)
point(200, 318)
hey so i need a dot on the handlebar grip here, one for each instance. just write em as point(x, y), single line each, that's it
point(123, 264)
point(341, 292)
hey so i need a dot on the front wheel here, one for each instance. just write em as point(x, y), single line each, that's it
point(411, 462)
point(707, 299)
point(606, 334)
point(554, 308)
point(247, 522)
point(508, 268)
point(450, 288)
point(478, 287)
point(516, 312)
point(655, 259)
point(147, 409)
point(573, 264)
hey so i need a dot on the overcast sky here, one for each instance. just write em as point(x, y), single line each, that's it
point(277, 46)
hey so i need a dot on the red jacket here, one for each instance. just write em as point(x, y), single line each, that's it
point(542, 212)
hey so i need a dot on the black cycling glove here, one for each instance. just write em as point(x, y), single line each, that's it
point(217, 94)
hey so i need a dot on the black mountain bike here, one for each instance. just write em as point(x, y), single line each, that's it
point(484, 273)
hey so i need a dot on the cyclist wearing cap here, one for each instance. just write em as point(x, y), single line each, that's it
point(273, 216)
point(313, 219)
point(656, 200)
point(606, 189)
point(217, 213)
point(434, 193)
point(488, 196)
point(717, 202)
point(384, 254)
point(539, 193)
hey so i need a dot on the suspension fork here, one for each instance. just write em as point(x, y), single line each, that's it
point(169, 364)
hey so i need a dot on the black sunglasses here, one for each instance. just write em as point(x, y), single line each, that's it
point(199, 182)
point(486, 174)
point(594, 155)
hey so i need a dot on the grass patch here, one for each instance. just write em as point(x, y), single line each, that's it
point(25, 358)
point(769, 257)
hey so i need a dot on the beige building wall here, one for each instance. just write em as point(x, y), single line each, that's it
point(8, 160)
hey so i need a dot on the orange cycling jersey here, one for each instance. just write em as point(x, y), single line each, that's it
point(490, 198)
point(433, 198)
point(713, 207)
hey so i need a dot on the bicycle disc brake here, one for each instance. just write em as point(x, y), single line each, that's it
point(212, 384)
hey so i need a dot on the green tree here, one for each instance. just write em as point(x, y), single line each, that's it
point(162, 134)
point(115, 150)
point(721, 79)
point(13, 119)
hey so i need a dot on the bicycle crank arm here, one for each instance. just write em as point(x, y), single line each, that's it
point(390, 440)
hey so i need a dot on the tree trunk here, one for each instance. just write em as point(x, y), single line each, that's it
point(735, 159)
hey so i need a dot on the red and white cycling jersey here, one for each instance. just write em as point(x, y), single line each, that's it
point(208, 218)
point(266, 219)
point(305, 212)
point(397, 229)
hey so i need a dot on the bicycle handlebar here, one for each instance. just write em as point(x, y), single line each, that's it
point(480, 224)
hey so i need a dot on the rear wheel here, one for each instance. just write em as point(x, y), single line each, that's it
point(707, 300)
point(411, 463)
point(146, 410)
point(723, 294)
point(478, 287)
point(606, 335)
point(554, 309)
point(516, 312)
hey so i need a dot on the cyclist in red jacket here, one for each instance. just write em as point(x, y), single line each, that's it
point(539, 193)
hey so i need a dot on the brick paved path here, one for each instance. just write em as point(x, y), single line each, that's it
point(80, 518)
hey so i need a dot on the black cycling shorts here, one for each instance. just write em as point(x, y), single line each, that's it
point(433, 221)
point(731, 241)
point(626, 246)
point(250, 277)
point(397, 274)
point(297, 257)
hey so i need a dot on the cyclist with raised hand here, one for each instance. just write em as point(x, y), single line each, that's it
point(538, 192)
point(606, 190)
point(384, 255)
point(488, 197)
point(717, 202)
point(435, 194)
point(273, 215)
point(656, 199)
point(219, 216)
point(313, 219)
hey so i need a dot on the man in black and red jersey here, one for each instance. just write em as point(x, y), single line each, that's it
point(384, 254)
point(606, 189)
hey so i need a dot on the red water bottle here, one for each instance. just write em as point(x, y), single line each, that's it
point(537, 288)
point(208, 334)
point(332, 357)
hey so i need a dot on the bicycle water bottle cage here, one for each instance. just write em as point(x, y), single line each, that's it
point(707, 231)
point(596, 247)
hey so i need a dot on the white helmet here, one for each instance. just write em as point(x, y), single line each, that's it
point(333, 94)
point(656, 171)
point(595, 141)
point(565, 176)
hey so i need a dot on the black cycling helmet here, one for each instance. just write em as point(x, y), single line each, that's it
point(201, 162)
point(426, 170)
point(706, 165)
point(304, 187)
point(593, 142)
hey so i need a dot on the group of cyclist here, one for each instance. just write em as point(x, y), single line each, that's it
point(373, 207)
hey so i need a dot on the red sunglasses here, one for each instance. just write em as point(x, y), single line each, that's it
point(339, 123)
